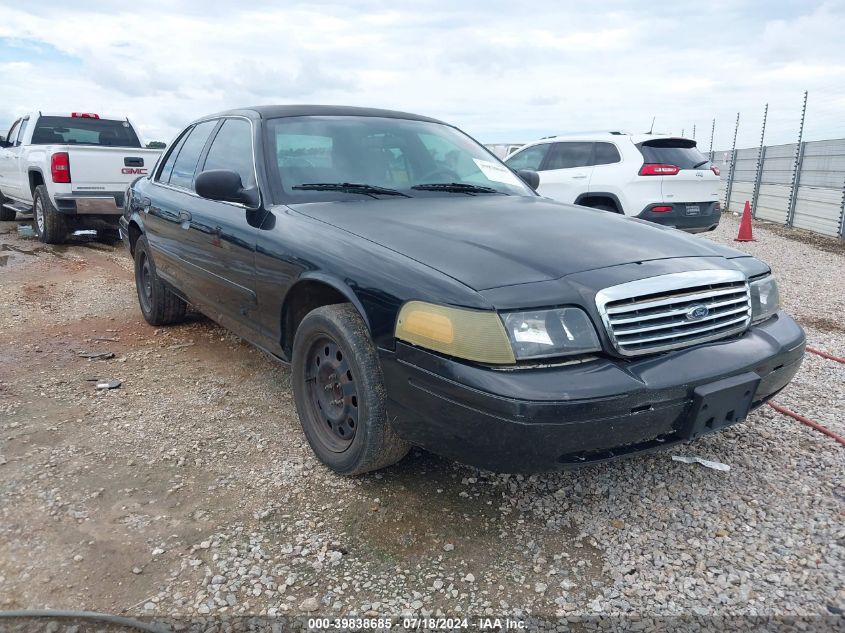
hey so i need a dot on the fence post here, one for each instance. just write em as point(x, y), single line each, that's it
point(758, 179)
point(712, 134)
point(760, 157)
point(732, 169)
point(842, 213)
point(796, 171)
point(796, 182)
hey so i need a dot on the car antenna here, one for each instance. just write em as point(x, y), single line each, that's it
point(651, 130)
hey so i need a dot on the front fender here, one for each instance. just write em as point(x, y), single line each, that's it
point(335, 282)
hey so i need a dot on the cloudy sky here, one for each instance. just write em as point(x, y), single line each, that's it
point(503, 71)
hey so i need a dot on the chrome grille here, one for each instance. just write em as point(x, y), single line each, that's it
point(673, 311)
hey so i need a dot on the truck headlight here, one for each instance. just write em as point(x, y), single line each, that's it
point(765, 298)
point(548, 333)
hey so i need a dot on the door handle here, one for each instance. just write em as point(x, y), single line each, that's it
point(185, 219)
point(579, 176)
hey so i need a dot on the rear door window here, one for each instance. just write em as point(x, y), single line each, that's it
point(606, 154)
point(529, 158)
point(189, 155)
point(167, 167)
point(65, 130)
point(569, 154)
point(232, 149)
point(673, 151)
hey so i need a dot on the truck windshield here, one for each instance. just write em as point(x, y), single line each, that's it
point(61, 130)
point(340, 157)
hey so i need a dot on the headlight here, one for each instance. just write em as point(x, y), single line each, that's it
point(487, 337)
point(765, 298)
point(476, 335)
point(545, 333)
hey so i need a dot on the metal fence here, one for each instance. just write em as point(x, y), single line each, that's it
point(797, 184)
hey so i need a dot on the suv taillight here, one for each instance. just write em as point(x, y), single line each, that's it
point(715, 170)
point(60, 167)
point(658, 169)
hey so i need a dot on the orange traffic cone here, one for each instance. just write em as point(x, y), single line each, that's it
point(744, 234)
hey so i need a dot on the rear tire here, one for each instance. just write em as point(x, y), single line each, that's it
point(339, 392)
point(6, 215)
point(50, 225)
point(159, 304)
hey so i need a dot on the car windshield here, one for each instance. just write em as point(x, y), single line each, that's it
point(343, 157)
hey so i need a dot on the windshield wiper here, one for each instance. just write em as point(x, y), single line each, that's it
point(457, 187)
point(697, 165)
point(350, 187)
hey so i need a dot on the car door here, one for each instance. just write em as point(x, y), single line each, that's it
point(222, 235)
point(166, 219)
point(566, 171)
point(10, 163)
point(609, 172)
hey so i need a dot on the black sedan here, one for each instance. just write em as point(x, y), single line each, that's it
point(425, 295)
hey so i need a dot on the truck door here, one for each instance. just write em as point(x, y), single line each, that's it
point(10, 162)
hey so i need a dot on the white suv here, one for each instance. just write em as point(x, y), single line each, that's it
point(664, 179)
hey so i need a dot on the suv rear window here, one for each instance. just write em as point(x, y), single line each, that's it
point(673, 151)
point(65, 130)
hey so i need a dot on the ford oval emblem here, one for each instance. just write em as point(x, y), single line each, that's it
point(697, 312)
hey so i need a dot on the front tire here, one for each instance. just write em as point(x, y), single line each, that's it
point(159, 304)
point(339, 391)
point(50, 225)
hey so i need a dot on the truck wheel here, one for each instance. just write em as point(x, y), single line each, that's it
point(50, 225)
point(339, 392)
point(6, 215)
point(159, 305)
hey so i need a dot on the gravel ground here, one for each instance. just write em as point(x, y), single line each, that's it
point(191, 491)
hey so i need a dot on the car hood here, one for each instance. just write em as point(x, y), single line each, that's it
point(490, 241)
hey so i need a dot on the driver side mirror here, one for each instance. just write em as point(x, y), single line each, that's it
point(225, 185)
point(530, 178)
point(4, 142)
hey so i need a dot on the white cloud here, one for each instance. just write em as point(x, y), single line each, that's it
point(500, 70)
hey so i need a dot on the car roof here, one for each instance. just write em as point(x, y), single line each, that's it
point(280, 111)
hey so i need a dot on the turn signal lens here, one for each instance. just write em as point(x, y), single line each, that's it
point(476, 335)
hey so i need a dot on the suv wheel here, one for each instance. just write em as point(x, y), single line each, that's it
point(50, 225)
point(339, 391)
point(159, 305)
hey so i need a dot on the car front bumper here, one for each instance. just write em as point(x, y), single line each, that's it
point(546, 418)
point(706, 219)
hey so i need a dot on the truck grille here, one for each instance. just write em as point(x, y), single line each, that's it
point(674, 311)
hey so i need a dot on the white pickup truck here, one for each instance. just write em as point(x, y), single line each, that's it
point(70, 171)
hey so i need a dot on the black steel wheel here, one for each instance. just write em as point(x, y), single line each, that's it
point(333, 394)
point(339, 391)
point(159, 304)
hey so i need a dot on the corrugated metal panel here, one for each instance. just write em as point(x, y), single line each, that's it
point(773, 202)
point(741, 192)
point(779, 164)
point(818, 209)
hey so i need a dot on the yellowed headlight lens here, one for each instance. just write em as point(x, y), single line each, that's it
point(476, 335)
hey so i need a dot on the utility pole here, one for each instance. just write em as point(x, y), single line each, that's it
point(796, 168)
point(761, 154)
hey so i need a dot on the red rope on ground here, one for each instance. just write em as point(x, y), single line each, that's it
point(813, 425)
point(825, 355)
